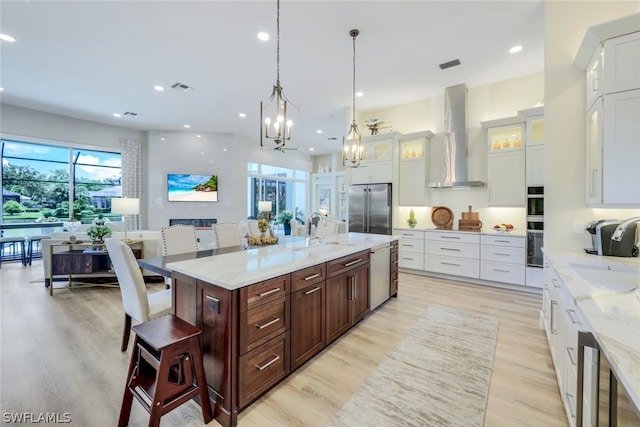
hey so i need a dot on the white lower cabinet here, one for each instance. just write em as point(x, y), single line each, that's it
point(503, 259)
point(454, 253)
point(410, 248)
point(562, 322)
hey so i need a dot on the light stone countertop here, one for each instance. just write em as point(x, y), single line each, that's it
point(611, 308)
point(486, 231)
point(235, 270)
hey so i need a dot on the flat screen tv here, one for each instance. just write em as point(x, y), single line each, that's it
point(192, 188)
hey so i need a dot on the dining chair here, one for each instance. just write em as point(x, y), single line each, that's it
point(297, 229)
point(327, 229)
point(136, 302)
point(179, 239)
point(225, 234)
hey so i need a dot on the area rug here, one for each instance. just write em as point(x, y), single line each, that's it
point(437, 375)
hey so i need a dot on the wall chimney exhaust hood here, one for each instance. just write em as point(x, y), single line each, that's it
point(455, 140)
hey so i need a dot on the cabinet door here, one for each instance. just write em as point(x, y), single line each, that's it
point(594, 82)
point(622, 63)
point(359, 293)
point(361, 175)
point(411, 182)
point(380, 172)
point(594, 154)
point(307, 325)
point(337, 315)
point(380, 150)
point(535, 165)
point(506, 179)
point(621, 148)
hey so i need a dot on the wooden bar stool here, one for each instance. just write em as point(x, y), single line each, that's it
point(166, 369)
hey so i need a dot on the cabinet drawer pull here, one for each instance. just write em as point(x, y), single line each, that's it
point(407, 258)
point(353, 262)
point(502, 241)
point(407, 234)
point(555, 283)
point(571, 411)
point(552, 321)
point(572, 316)
point(570, 351)
point(214, 303)
point(405, 244)
point(313, 276)
point(269, 363)
point(395, 262)
point(501, 270)
point(269, 323)
point(450, 249)
point(451, 263)
point(317, 288)
point(501, 254)
point(450, 237)
point(264, 294)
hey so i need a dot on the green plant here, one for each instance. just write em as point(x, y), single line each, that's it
point(412, 221)
point(98, 232)
point(284, 217)
point(12, 207)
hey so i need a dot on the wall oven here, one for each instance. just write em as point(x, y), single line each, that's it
point(535, 225)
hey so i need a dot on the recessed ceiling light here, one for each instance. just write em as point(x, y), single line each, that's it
point(311, 149)
point(158, 88)
point(515, 49)
point(224, 149)
point(1, 88)
point(359, 94)
point(162, 139)
point(7, 38)
point(116, 115)
point(243, 115)
point(263, 36)
point(319, 131)
point(198, 136)
point(187, 126)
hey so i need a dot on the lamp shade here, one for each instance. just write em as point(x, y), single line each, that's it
point(125, 206)
point(264, 206)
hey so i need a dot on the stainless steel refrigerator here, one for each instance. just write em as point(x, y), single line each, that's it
point(370, 208)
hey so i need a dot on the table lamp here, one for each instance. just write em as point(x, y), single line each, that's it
point(125, 206)
point(264, 209)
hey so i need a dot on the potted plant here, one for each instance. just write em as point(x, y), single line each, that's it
point(99, 230)
point(284, 218)
point(412, 221)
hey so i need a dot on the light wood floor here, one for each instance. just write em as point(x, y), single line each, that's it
point(61, 354)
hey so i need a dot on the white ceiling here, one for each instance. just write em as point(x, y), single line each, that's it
point(90, 59)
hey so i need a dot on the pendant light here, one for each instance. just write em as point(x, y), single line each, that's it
point(352, 141)
point(277, 114)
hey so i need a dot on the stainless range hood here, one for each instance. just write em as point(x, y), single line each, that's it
point(455, 140)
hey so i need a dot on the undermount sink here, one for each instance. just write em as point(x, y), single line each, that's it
point(614, 278)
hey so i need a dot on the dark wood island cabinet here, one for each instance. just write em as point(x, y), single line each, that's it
point(255, 335)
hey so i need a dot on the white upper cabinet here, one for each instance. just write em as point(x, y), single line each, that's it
point(412, 168)
point(613, 113)
point(506, 162)
point(622, 63)
point(534, 138)
point(377, 160)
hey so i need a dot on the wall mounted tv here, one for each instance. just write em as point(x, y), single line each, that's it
point(192, 188)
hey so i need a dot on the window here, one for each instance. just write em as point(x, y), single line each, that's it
point(48, 182)
point(284, 188)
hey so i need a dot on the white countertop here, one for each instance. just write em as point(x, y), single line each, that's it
point(489, 231)
point(235, 270)
point(611, 307)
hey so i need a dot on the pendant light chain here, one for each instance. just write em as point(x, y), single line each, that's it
point(278, 43)
point(354, 73)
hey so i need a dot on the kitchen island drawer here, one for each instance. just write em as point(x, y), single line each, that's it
point(303, 278)
point(502, 272)
point(503, 254)
point(411, 260)
point(411, 245)
point(409, 234)
point(262, 368)
point(348, 262)
point(452, 249)
point(453, 236)
point(263, 292)
point(262, 323)
point(455, 266)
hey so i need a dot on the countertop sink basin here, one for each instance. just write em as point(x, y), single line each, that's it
point(614, 278)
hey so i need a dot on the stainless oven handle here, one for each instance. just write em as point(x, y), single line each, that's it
point(535, 231)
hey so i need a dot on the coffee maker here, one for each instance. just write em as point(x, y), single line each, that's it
point(601, 231)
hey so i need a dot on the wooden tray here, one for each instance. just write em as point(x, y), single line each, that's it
point(442, 217)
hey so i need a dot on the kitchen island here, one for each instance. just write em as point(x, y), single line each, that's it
point(588, 295)
point(264, 312)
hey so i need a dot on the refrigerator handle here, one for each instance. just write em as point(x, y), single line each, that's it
point(365, 212)
point(368, 230)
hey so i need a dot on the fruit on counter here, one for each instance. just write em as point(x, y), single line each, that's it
point(503, 226)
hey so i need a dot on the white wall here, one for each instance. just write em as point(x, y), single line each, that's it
point(565, 128)
point(53, 127)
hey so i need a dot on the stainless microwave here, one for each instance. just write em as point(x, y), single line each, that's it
point(535, 201)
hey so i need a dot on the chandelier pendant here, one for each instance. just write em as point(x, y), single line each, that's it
point(352, 148)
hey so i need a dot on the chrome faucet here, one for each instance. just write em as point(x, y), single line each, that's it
point(315, 217)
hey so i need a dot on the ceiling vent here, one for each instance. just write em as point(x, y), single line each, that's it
point(449, 64)
point(181, 87)
point(131, 114)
